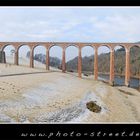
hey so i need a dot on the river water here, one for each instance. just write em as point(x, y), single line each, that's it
point(119, 80)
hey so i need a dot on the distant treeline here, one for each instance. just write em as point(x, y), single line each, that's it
point(54, 61)
point(103, 62)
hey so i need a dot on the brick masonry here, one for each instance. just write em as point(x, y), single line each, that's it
point(79, 45)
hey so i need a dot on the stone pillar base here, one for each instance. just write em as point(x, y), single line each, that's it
point(47, 68)
point(127, 84)
point(16, 58)
point(79, 64)
point(63, 71)
point(112, 83)
point(47, 60)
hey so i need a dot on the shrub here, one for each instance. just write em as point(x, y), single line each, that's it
point(92, 106)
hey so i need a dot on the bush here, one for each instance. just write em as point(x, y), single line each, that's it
point(92, 106)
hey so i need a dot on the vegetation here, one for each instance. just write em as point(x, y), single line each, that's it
point(103, 62)
point(92, 106)
point(54, 61)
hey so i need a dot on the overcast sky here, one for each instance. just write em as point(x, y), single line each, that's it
point(74, 24)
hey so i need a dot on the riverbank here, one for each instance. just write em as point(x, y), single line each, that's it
point(121, 75)
point(46, 97)
point(120, 81)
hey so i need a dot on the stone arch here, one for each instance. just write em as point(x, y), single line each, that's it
point(9, 53)
point(87, 53)
point(104, 62)
point(135, 45)
point(4, 46)
point(70, 45)
point(39, 55)
point(51, 46)
point(134, 66)
point(21, 45)
point(104, 45)
point(55, 54)
point(72, 58)
point(35, 46)
point(24, 55)
point(119, 64)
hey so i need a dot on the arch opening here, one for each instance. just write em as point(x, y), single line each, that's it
point(55, 56)
point(88, 61)
point(119, 65)
point(39, 57)
point(72, 59)
point(9, 53)
point(24, 55)
point(104, 63)
point(135, 67)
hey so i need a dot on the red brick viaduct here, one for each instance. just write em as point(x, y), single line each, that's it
point(80, 45)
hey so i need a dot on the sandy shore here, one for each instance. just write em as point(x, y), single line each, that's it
point(35, 95)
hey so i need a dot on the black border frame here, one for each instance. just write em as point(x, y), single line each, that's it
point(69, 2)
point(14, 131)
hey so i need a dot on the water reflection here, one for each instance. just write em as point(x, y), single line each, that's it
point(120, 80)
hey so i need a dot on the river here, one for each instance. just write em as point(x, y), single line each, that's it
point(119, 80)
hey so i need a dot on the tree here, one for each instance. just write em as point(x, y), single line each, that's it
point(12, 52)
point(28, 54)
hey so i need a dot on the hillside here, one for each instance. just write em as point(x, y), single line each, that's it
point(54, 61)
point(104, 62)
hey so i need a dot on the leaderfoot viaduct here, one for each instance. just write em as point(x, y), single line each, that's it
point(64, 45)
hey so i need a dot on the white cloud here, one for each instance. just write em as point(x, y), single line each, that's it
point(67, 24)
point(118, 27)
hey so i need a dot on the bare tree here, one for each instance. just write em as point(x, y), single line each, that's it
point(12, 52)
